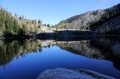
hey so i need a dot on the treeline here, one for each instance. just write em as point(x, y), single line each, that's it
point(109, 14)
point(9, 25)
point(14, 25)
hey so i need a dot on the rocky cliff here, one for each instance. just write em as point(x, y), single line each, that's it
point(90, 20)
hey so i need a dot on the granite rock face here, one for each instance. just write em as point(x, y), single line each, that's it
point(63, 73)
point(92, 20)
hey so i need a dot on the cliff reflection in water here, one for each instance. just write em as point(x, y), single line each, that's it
point(95, 48)
point(103, 49)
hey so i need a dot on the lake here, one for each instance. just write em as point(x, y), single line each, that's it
point(26, 59)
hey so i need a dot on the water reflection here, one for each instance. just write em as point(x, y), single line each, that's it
point(101, 49)
point(15, 48)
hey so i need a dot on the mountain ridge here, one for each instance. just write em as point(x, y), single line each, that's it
point(87, 20)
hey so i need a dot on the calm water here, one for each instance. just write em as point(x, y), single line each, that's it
point(26, 59)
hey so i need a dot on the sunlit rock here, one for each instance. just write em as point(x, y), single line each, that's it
point(62, 73)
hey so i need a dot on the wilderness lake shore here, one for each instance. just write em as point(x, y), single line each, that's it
point(66, 34)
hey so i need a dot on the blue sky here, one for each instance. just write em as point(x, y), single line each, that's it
point(54, 11)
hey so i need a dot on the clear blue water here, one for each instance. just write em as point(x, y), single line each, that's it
point(32, 64)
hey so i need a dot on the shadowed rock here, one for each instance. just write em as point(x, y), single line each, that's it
point(116, 51)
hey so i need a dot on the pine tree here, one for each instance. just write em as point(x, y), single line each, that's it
point(101, 31)
point(36, 30)
point(48, 25)
point(24, 29)
point(20, 17)
point(16, 26)
point(39, 21)
point(1, 22)
point(45, 24)
point(11, 25)
point(1, 7)
point(89, 28)
point(52, 26)
point(108, 16)
point(39, 26)
point(106, 30)
point(3, 18)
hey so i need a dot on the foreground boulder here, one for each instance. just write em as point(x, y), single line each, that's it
point(62, 73)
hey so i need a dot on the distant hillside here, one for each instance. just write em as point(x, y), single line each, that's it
point(90, 20)
point(14, 25)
